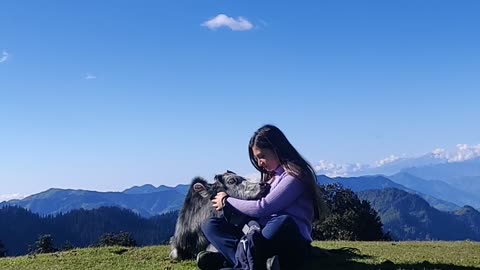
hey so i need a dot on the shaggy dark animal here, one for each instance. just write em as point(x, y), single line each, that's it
point(188, 239)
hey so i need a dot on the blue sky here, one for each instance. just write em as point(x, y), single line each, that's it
point(104, 95)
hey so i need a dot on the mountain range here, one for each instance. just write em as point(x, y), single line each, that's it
point(453, 178)
point(145, 200)
point(418, 197)
point(379, 182)
point(148, 200)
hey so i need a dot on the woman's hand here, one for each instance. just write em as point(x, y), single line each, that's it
point(219, 201)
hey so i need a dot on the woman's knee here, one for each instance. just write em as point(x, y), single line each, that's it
point(278, 225)
point(209, 225)
point(284, 222)
point(285, 219)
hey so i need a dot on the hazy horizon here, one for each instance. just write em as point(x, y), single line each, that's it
point(462, 153)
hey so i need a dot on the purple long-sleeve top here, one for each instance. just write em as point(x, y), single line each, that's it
point(288, 196)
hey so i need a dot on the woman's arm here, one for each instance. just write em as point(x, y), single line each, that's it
point(279, 198)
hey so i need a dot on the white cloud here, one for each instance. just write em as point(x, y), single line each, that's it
point(464, 152)
point(331, 169)
point(255, 176)
point(7, 197)
point(222, 20)
point(4, 56)
point(390, 159)
point(90, 76)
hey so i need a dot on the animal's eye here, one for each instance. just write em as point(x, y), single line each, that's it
point(231, 181)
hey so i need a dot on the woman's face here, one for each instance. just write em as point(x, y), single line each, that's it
point(266, 158)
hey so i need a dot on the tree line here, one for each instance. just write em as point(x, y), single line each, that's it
point(20, 228)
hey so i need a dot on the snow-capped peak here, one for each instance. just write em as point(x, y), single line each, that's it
point(464, 152)
point(394, 163)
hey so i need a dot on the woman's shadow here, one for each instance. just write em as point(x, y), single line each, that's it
point(343, 258)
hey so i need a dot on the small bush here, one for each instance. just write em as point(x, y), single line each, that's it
point(124, 239)
point(44, 244)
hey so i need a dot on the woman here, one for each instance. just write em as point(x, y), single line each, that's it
point(284, 216)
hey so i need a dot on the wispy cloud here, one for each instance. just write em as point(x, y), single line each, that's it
point(7, 197)
point(4, 56)
point(222, 20)
point(263, 23)
point(90, 76)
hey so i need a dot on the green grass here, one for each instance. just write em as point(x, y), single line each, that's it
point(334, 255)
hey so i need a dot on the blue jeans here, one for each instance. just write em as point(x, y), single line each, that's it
point(280, 236)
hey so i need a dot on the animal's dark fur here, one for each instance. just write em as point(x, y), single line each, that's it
point(188, 239)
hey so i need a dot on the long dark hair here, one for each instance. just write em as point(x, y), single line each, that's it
point(271, 137)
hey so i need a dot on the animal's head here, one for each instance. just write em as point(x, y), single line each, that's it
point(233, 184)
point(239, 187)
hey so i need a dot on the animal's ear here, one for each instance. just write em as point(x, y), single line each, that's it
point(219, 178)
point(200, 189)
point(228, 171)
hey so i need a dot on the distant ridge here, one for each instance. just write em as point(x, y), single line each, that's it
point(409, 217)
point(438, 189)
point(148, 188)
point(55, 201)
point(370, 182)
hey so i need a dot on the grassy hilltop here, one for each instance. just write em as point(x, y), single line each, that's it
point(340, 255)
